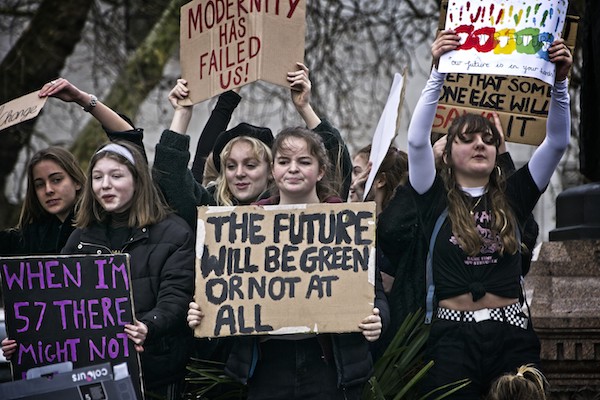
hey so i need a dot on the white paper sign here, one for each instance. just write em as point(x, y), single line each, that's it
point(511, 37)
point(386, 129)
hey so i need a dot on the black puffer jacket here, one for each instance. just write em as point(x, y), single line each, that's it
point(162, 275)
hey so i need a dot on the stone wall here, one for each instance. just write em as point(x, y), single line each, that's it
point(563, 288)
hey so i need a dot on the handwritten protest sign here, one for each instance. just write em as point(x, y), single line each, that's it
point(507, 38)
point(281, 270)
point(386, 130)
point(226, 44)
point(521, 103)
point(20, 110)
point(69, 308)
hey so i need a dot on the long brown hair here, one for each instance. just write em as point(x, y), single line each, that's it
point(147, 205)
point(315, 146)
point(459, 212)
point(32, 210)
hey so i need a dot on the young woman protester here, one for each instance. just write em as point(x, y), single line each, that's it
point(326, 366)
point(236, 184)
point(122, 211)
point(480, 330)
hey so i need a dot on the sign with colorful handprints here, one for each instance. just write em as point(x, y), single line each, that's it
point(508, 37)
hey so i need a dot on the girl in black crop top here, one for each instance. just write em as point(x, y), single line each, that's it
point(480, 331)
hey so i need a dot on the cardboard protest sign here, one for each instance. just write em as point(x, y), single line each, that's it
point(521, 103)
point(69, 308)
point(283, 270)
point(20, 110)
point(507, 38)
point(386, 130)
point(226, 44)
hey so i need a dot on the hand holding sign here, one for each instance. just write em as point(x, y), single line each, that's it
point(9, 346)
point(20, 110)
point(371, 326)
point(561, 56)
point(300, 86)
point(445, 41)
point(64, 90)
point(195, 315)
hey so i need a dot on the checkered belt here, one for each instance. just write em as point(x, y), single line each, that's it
point(512, 315)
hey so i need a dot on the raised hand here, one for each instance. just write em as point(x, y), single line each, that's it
point(561, 56)
point(444, 42)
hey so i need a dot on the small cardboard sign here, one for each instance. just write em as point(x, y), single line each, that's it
point(21, 109)
point(284, 270)
point(226, 44)
point(522, 103)
point(69, 308)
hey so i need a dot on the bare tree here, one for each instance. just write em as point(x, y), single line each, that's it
point(37, 57)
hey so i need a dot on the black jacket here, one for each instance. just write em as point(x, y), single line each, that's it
point(47, 235)
point(162, 275)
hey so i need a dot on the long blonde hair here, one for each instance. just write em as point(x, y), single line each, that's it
point(260, 151)
point(459, 212)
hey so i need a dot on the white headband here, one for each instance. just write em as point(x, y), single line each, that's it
point(118, 149)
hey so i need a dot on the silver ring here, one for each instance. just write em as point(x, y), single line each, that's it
point(52, 82)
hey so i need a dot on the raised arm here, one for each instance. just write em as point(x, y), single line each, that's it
point(339, 155)
point(170, 168)
point(301, 87)
point(217, 123)
point(546, 157)
point(64, 90)
point(421, 170)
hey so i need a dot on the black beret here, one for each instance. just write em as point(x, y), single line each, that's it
point(263, 134)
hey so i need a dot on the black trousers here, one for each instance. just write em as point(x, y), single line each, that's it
point(479, 351)
point(296, 369)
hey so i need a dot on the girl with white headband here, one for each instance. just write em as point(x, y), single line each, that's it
point(121, 211)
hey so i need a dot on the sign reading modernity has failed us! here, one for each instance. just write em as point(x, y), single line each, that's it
point(69, 308)
point(282, 270)
point(226, 44)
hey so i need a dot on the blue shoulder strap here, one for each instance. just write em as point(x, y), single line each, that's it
point(429, 272)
